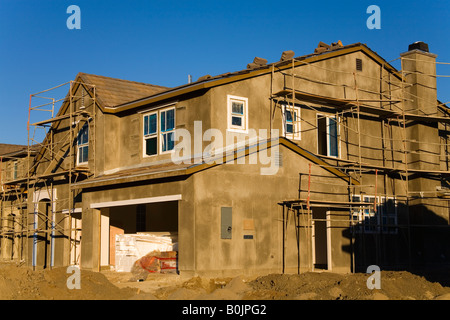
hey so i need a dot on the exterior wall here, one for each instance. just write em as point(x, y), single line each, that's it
point(123, 144)
point(256, 197)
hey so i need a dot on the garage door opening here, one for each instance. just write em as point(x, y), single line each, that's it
point(128, 232)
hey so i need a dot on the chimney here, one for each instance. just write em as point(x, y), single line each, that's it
point(418, 45)
point(419, 69)
point(419, 72)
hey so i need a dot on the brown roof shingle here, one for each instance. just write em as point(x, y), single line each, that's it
point(9, 148)
point(112, 92)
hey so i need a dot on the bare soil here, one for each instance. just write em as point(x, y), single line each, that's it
point(18, 282)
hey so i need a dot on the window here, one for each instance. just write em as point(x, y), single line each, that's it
point(356, 213)
point(151, 134)
point(388, 211)
point(369, 215)
point(15, 170)
point(162, 137)
point(167, 129)
point(237, 114)
point(83, 144)
point(368, 220)
point(291, 122)
point(327, 136)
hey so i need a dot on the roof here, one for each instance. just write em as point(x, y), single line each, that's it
point(169, 170)
point(109, 93)
point(112, 92)
point(207, 82)
point(10, 148)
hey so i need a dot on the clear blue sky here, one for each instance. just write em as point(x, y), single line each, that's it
point(161, 42)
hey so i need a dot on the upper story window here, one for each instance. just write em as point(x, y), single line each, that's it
point(159, 131)
point(291, 122)
point(16, 169)
point(237, 113)
point(151, 134)
point(167, 129)
point(327, 136)
point(83, 144)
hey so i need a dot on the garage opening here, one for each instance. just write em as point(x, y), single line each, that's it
point(129, 232)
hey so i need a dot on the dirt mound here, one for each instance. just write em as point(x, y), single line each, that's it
point(21, 283)
point(398, 285)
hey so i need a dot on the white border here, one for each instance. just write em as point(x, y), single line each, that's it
point(338, 133)
point(231, 128)
point(297, 125)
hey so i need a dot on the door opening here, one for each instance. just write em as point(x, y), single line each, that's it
point(320, 239)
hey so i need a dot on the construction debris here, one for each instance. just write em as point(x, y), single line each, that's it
point(154, 262)
point(287, 55)
point(132, 247)
point(257, 62)
point(323, 47)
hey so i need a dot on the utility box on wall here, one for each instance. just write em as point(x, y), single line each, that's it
point(226, 222)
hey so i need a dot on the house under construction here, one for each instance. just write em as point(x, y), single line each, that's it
point(333, 161)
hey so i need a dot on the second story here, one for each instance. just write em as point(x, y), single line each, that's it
point(340, 103)
point(14, 163)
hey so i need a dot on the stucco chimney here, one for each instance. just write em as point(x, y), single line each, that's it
point(419, 71)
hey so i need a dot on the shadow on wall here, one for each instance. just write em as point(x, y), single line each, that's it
point(418, 241)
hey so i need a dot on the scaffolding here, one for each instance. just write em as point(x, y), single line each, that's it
point(389, 107)
point(52, 165)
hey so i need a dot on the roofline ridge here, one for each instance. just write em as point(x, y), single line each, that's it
point(81, 74)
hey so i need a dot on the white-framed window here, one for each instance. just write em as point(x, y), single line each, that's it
point(356, 213)
point(151, 134)
point(291, 122)
point(83, 145)
point(369, 214)
point(167, 128)
point(368, 220)
point(237, 113)
point(15, 170)
point(327, 135)
point(388, 212)
point(159, 132)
